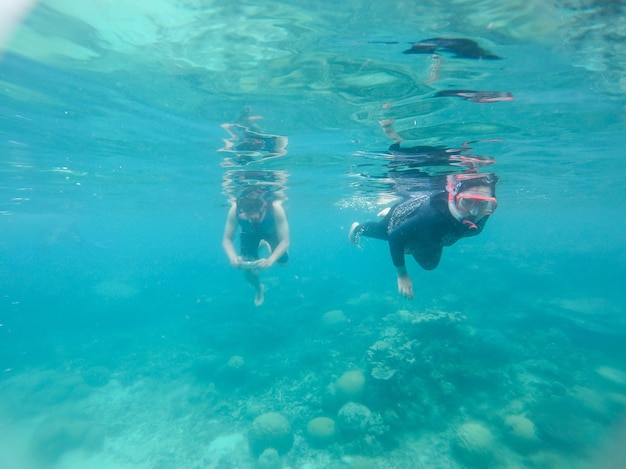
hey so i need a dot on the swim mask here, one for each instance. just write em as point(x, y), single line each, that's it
point(475, 204)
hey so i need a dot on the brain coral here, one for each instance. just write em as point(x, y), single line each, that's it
point(270, 430)
point(321, 430)
point(354, 418)
point(474, 444)
point(350, 385)
point(521, 433)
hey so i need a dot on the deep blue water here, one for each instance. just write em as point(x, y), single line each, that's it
point(121, 318)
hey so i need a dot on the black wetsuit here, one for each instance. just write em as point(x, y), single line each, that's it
point(422, 155)
point(253, 233)
point(420, 226)
point(461, 47)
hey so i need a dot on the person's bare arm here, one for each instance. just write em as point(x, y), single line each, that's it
point(387, 126)
point(229, 235)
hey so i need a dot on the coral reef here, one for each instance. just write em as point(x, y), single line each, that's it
point(232, 374)
point(321, 431)
point(269, 459)
point(473, 444)
point(393, 352)
point(270, 430)
point(521, 433)
point(334, 319)
point(350, 386)
point(392, 390)
point(354, 419)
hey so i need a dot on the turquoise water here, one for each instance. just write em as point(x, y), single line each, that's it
point(128, 341)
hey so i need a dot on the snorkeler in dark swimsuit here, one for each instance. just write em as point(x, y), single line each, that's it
point(256, 231)
point(461, 47)
point(262, 222)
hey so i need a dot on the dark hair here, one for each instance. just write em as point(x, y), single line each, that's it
point(251, 200)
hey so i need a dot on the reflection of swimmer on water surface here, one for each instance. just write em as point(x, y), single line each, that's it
point(247, 119)
point(461, 47)
point(426, 155)
point(480, 97)
point(416, 150)
point(245, 140)
point(249, 143)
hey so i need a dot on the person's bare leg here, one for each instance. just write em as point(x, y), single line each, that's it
point(387, 125)
point(252, 276)
point(259, 296)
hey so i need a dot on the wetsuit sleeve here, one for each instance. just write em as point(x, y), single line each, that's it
point(396, 249)
point(412, 231)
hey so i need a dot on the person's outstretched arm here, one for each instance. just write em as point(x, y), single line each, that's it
point(229, 235)
point(409, 233)
point(396, 248)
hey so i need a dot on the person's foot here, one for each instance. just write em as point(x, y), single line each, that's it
point(265, 245)
point(353, 236)
point(259, 297)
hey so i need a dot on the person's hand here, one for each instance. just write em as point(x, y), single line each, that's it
point(264, 263)
point(236, 262)
point(405, 286)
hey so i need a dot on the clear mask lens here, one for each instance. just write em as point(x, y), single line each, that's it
point(476, 204)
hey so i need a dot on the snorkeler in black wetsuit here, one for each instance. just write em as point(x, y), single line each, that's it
point(424, 224)
point(461, 47)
